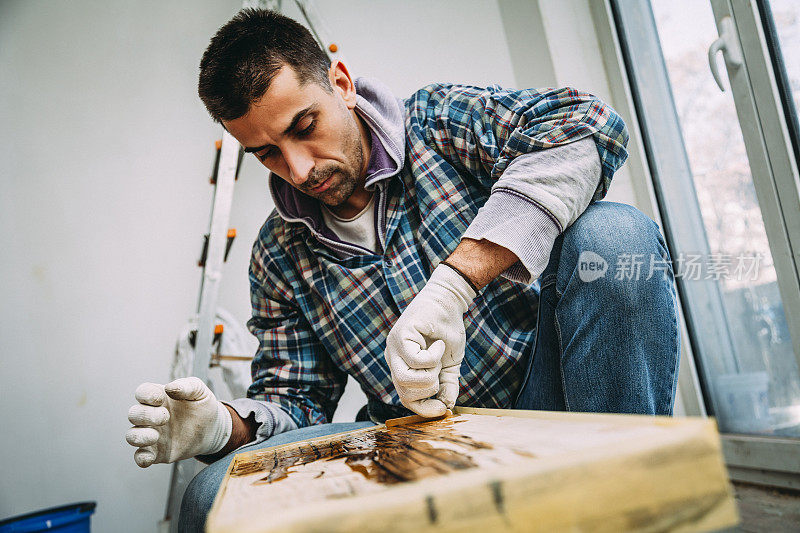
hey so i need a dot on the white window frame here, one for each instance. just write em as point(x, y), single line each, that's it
point(769, 150)
point(644, 86)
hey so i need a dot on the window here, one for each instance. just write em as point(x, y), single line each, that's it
point(755, 387)
point(725, 176)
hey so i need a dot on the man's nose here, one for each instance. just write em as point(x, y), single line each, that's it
point(300, 165)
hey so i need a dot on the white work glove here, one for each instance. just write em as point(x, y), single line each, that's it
point(177, 421)
point(425, 347)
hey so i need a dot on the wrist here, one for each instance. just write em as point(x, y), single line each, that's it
point(222, 430)
point(466, 278)
point(481, 261)
point(451, 280)
point(243, 430)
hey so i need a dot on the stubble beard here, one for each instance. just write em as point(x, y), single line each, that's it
point(337, 194)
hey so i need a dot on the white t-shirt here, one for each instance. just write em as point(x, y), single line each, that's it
point(359, 229)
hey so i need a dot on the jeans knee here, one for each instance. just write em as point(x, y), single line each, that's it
point(618, 250)
point(613, 227)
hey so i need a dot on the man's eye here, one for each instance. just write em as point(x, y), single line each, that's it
point(308, 129)
point(266, 155)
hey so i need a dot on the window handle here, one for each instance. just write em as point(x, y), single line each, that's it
point(729, 45)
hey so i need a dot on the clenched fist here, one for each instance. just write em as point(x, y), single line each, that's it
point(425, 347)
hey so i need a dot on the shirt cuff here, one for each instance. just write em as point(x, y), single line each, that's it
point(270, 418)
point(516, 223)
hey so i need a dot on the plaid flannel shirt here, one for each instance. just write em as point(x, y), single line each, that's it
point(320, 316)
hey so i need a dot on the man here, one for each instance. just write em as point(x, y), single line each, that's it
point(431, 248)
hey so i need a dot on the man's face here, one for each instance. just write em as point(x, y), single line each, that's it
point(306, 135)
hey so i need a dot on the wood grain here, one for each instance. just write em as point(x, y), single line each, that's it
point(484, 469)
point(414, 419)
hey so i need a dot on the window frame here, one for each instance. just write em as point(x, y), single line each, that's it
point(760, 459)
point(769, 148)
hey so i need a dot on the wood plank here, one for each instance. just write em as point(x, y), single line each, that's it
point(413, 419)
point(487, 469)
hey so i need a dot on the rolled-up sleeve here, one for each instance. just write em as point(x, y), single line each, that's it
point(514, 217)
point(543, 155)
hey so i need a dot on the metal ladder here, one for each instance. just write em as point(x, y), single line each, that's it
point(215, 249)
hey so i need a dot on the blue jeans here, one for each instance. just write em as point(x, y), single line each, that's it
point(606, 342)
point(607, 337)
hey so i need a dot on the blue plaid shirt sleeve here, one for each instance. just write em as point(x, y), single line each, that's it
point(481, 130)
point(291, 367)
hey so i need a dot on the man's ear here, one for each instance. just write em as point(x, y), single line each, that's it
point(342, 83)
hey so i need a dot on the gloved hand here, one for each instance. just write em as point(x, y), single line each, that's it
point(425, 347)
point(176, 421)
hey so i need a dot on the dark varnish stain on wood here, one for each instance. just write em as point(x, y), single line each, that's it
point(524, 453)
point(499, 501)
point(387, 456)
point(433, 514)
point(497, 497)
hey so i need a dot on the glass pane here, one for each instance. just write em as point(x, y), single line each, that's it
point(786, 16)
point(758, 391)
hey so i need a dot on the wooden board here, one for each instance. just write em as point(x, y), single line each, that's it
point(489, 470)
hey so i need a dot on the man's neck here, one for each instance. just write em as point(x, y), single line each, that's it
point(354, 204)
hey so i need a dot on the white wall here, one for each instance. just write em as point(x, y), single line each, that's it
point(105, 153)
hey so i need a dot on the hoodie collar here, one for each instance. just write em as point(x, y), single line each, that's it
point(383, 114)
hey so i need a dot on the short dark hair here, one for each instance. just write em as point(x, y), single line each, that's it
point(246, 54)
